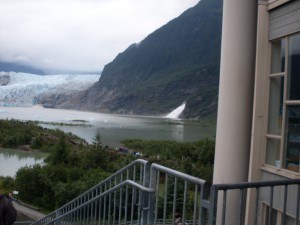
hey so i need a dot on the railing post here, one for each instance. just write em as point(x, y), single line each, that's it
point(204, 204)
point(151, 197)
point(213, 205)
point(145, 198)
point(57, 214)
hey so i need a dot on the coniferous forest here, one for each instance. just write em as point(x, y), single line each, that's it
point(73, 165)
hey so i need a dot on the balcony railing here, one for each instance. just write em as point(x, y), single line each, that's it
point(257, 202)
point(145, 194)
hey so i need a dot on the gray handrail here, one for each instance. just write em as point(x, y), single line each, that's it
point(177, 173)
point(144, 194)
point(256, 184)
point(106, 193)
point(193, 186)
point(263, 191)
point(89, 194)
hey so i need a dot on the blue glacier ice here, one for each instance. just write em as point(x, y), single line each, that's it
point(22, 88)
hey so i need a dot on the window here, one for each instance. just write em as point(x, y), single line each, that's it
point(271, 216)
point(276, 217)
point(283, 129)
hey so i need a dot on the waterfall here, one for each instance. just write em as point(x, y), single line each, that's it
point(176, 112)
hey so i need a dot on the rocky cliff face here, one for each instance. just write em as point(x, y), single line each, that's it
point(177, 63)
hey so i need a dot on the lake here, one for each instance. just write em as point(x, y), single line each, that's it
point(112, 128)
point(11, 160)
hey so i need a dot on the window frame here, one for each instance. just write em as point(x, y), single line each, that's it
point(282, 137)
point(278, 213)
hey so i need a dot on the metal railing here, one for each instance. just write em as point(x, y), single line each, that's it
point(177, 193)
point(144, 194)
point(137, 194)
point(102, 210)
point(137, 171)
point(258, 203)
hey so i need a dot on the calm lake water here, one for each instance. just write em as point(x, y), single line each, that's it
point(112, 128)
point(11, 160)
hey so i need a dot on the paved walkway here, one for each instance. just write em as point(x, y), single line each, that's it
point(27, 211)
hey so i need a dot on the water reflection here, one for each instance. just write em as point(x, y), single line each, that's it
point(19, 154)
point(177, 132)
point(11, 160)
point(114, 128)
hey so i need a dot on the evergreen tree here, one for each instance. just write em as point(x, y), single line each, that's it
point(60, 153)
point(97, 142)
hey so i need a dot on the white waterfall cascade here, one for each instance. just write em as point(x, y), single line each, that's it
point(176, 112)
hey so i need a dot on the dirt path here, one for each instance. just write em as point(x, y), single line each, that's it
point(25, 212)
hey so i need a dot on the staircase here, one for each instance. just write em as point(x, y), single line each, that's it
point(139, 193)
point(150, 194)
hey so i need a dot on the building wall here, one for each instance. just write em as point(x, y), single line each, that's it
point(273, 23)
point(278, 196)
point(246, 57)
point(284, 20)
point(276, 19)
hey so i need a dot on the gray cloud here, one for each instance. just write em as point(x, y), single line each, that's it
point(78, 34)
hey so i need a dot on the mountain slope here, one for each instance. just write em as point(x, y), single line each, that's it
point(176, 63)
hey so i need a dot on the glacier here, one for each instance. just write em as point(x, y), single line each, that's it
point(23, 89)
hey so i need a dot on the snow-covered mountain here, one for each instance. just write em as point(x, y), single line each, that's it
point(23, 89)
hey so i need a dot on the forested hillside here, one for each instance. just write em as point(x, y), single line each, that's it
point(73, 166)
point(176, 63)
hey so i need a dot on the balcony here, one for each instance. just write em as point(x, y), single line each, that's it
point(151, 194)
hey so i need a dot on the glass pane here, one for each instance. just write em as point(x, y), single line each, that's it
point(278, 56)
point(273, 217)
point(273, 152)
point(290, 221)
point(292, 138)
point(294, 68)
point(275, 105)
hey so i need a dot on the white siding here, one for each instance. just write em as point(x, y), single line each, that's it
point(285, 20)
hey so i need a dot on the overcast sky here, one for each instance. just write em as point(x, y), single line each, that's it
point(78, 34)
